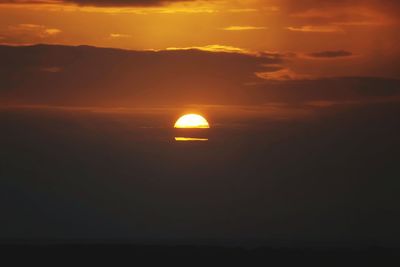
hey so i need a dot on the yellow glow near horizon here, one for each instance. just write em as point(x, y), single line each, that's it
point(190, 139)
point(191, 121)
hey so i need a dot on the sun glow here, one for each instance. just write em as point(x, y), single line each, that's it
point(192, 121)
point(190, 139)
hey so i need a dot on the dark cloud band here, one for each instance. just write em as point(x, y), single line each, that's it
point(124, 2)
point(98, 2)
point(330, 54)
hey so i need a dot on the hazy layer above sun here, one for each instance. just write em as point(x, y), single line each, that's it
point(191, 121)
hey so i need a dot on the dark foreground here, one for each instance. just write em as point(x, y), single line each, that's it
point(194, 254)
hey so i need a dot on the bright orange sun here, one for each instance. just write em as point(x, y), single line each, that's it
point(192, 121)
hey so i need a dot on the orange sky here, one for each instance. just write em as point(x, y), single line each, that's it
point(332, 38)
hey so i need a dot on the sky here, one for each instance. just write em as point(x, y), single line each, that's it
point(315, 38)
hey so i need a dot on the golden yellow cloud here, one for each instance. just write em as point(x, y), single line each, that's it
point(243, 28)
point(318, 28)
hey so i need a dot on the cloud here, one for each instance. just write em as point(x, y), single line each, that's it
point(283, 74)
point(243, 28)
point(316, 29)
point(98, 2)
point(26, 33)
point(119, 35)
point(170, 78)
point(51, 69)
point(344, 12)
point(242, 10)
point(35, 29)
point(213, 48)
point(124, 2)
point(52, 31)
point(296, 90)
point(272, 57)
point(97, 76)
point(295, 5)
point(330, 54)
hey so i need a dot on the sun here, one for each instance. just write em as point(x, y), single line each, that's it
point(192, 121)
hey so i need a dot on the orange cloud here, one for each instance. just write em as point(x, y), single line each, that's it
point(284, 74)
point(214, 48)
point(243, 28)
point(52, 31)
point(345, 12)
point(119, 35)
point(97, 2)
point(319, 29)
point(26, 33)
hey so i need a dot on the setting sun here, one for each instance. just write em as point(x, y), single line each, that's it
point(192, 121)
